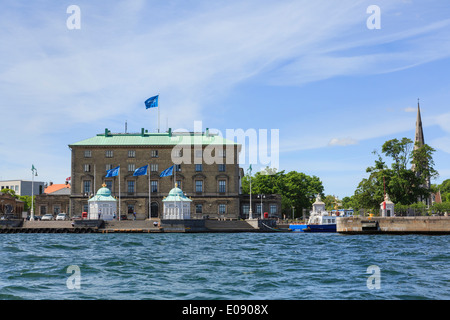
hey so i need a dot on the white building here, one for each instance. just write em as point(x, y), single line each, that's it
point(387, 207)
point(23, 187)
point(102, 205)
point(176, 205)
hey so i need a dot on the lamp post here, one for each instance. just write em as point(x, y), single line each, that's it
point(33, 173)
point(262, 196)
point(293, 212)
point(250, 213)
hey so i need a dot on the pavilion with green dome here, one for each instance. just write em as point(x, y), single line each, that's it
point(102, 205)
point(176, 205)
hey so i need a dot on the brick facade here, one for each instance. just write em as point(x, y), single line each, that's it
point(214, 187)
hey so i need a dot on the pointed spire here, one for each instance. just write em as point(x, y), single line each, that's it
point(419, 130)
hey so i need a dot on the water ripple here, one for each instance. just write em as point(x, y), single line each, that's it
point(223, 266)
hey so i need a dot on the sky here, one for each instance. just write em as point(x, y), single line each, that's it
point(322, 83)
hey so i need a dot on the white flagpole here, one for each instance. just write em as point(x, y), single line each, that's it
point(149, 194)
point(158, 112)
point(119, 194)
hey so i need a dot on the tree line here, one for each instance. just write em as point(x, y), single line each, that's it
point(402, 170)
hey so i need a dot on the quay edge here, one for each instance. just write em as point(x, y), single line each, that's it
point(137, 226)
point(430, 225)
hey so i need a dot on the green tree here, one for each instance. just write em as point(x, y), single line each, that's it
point(403, 185)
point(296, 188)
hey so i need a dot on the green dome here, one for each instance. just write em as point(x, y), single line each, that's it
point(176, 192)
point(104, 192)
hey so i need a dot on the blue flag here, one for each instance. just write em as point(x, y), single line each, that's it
point(167, 172)
point(140, 171)
point(113, 172)
point(151, 102)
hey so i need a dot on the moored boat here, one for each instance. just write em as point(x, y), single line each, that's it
point(320, 220)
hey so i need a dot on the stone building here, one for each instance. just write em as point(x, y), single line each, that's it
point(54, 200)
point(207, 170)
point(10, 206)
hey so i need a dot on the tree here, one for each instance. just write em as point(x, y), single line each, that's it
point(296, 188)
point(403, 185)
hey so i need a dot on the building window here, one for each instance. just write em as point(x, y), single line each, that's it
point(221, 167)
point(109, 153)
point(154, 167)
point(130, 186)
point(245, 209)
point(87, 168)
point(131, 167)
point(179, 184)
point(273, 209)
point(109, 184)
point(178, 167)
point(154, 153)
point(85, 207)
point(222, 208)
point(87, 186)
point(87, 153)
point(154, 186)
point(108, 167)
point(56, 209)
point(198, 167)
point(222, 186)
point(258, 208)
point(131, 154)
point(199, 208)
point(43, 210)
point(131, 208)
point(198, 185)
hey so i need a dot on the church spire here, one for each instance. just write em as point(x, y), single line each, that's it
point(419, 139)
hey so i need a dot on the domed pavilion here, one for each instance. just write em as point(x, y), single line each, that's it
point(177, 205)
point(102, 205)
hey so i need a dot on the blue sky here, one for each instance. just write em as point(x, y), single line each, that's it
point(335, 89)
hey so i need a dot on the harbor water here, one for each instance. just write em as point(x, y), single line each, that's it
point(226, 266)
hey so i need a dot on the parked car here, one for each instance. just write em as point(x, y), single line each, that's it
point(123, 217)
point(35, 217)
point(62, 216)
point(47, 216)
point(7, 216)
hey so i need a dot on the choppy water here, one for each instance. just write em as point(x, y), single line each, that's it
point(241, 266)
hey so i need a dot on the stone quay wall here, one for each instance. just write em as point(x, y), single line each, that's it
point(395, 225)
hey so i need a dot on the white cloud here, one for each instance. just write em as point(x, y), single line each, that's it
point(342, 141)
point(53, 79)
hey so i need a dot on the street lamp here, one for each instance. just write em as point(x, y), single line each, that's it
point(250, 213)
point(33, 173)
point(261, 196)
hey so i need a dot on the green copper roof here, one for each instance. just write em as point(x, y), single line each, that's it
point(176, 194)
point(103, 194)
point(145, 138)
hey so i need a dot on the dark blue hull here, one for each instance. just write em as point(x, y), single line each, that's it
point(313, 227)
